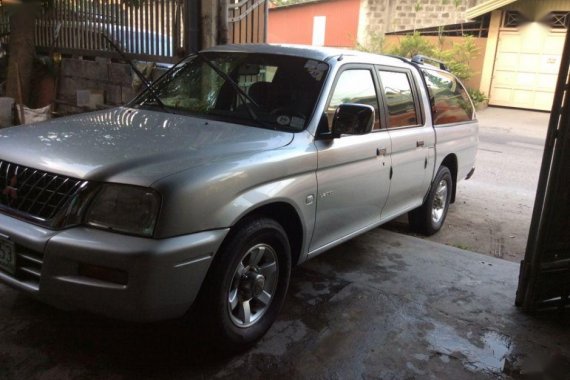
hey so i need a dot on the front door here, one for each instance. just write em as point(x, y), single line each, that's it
point(353, 171)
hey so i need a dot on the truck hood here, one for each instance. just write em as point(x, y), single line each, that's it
point(131, 145)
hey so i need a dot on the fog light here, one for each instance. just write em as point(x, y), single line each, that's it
point(116, 276)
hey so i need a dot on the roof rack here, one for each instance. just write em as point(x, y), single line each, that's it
point(421, 59)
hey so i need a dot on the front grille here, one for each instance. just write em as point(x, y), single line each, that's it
point(33, 192)
point(28, 266)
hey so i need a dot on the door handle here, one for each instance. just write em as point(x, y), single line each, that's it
point(419, 143)
point(381, 151)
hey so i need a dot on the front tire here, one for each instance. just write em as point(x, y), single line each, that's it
point(429, 217)
point(246, 286)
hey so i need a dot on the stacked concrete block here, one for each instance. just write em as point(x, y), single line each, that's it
point(384, 16)
point(99, 76)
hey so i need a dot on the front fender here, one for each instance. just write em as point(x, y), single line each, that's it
point(299, 192)
point(217, 195)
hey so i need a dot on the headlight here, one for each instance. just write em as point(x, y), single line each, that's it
point(124, 208)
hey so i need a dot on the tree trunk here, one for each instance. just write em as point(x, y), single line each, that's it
point(222, 22)
point(22, 51)
point(208, 25)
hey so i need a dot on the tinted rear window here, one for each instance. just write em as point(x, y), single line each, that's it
point(451, 101)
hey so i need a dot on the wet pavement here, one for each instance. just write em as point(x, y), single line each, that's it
point(382, 306)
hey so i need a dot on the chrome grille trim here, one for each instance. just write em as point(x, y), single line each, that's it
point(31, 271)
point(30, 258)
point(34, 194)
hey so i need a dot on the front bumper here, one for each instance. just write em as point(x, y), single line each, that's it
point(164, 275)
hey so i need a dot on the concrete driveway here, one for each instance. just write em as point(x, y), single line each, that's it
point(494, 208)
point(383, 306)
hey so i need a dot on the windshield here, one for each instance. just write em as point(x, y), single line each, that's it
point(278, 91)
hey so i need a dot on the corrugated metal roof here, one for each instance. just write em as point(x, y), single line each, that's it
point(486, 7)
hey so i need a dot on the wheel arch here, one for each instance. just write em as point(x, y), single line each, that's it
point(287, 216)
point(450, 162)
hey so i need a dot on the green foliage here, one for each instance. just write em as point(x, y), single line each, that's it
point(413, 44)
point(418, 6)
point(477, 96)
point(457, 58)
point(376, 44)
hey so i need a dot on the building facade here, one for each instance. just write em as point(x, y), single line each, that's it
point(379, 17)
point(521, 56)
point(523, 52)
point(349, 23)
point(320, 23)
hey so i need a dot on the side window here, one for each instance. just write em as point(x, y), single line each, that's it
point(399, 99)
point(354, 86)
point(451, 101)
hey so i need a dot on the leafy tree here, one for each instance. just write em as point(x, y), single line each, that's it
point(413, 44)
point(457, 58)
point(376, 44)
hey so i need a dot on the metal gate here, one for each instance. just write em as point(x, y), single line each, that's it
point(147, 30)
point(247, 21)
point(155, 30)
point(544, 279)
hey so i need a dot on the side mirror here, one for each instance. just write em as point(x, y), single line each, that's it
point(352, 119)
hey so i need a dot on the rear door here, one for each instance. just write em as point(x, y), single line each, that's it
point(353, 171)
point(453, 118)
point(412, 141)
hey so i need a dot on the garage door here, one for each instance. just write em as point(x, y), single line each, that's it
point(526, 67)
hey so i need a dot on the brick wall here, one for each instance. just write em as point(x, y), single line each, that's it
point(383, 16)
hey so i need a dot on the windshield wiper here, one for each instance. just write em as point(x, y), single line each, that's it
point(143, 79)
point(243, 95)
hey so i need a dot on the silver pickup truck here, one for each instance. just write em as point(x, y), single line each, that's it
point(237, 164)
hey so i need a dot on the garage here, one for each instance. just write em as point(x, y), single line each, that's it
point(380, 306)
point(523, 52)
point(527, 64)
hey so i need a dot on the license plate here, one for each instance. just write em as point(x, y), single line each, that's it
point(7, 256)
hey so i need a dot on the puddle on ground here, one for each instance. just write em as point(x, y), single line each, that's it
point(314, 288)
point(487, 354)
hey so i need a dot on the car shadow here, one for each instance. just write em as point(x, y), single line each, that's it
point(101, 347)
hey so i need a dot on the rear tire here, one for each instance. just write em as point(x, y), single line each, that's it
point(245, 289)
point(430, 216)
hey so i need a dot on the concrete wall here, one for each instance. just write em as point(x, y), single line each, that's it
point(294, 24)
point(383, 16)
